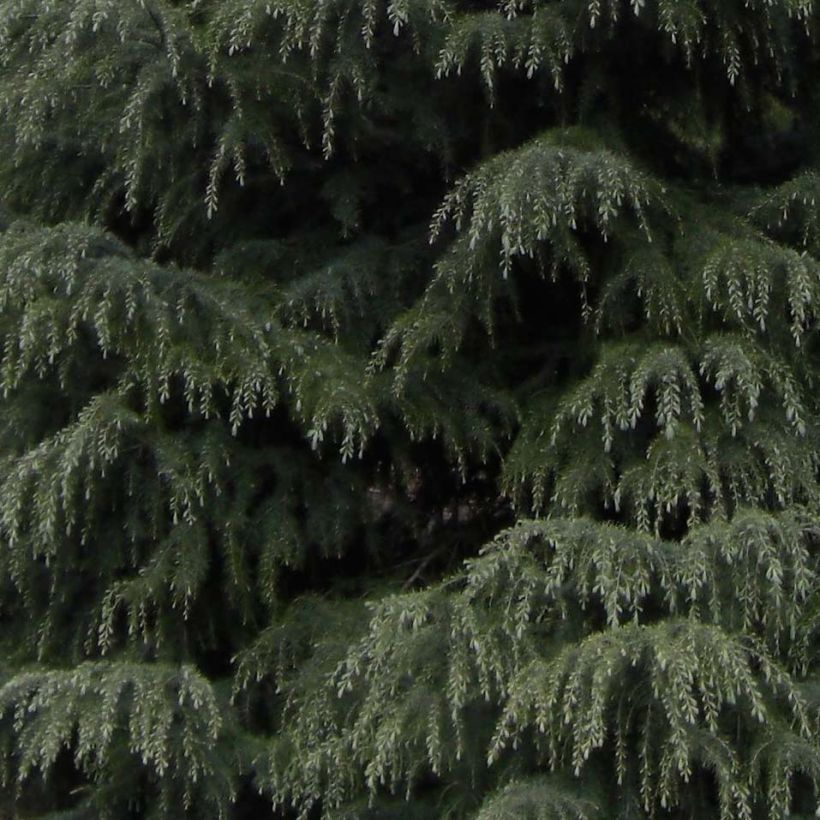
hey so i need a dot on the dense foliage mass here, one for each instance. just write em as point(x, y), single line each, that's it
point(409, 409)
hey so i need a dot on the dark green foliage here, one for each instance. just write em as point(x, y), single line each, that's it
point(409, 409)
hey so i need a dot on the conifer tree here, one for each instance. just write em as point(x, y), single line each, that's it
point(409, 409)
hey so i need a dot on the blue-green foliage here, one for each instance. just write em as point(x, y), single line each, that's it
point(409, 409)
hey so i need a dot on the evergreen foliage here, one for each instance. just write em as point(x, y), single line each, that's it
point(409, 409)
